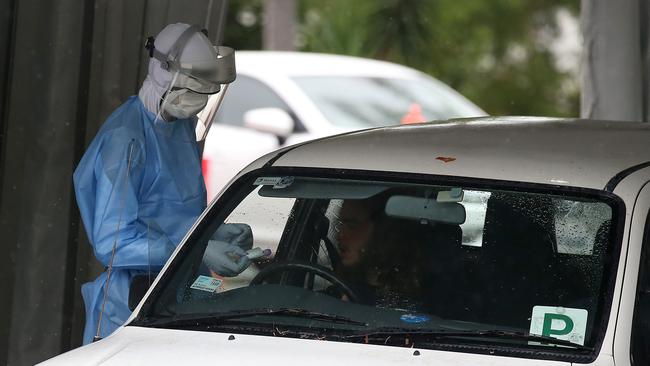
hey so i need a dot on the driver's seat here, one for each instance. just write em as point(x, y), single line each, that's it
point(443, 271)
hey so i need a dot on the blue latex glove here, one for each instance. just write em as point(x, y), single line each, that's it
point(225, 258)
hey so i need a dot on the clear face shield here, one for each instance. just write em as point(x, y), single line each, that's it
point(226, 65)
point(194, 81)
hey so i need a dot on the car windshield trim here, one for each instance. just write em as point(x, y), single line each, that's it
point(242, 186)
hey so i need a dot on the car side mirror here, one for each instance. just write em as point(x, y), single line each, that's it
point(270, 120)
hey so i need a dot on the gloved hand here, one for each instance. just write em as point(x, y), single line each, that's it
point(225, 258)
point(237, 234)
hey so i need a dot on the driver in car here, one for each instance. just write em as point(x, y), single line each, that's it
point(380, 256)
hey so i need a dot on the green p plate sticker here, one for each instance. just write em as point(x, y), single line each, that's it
point(561, 323)
point(208, 284)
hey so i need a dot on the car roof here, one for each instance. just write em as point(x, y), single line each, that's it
point(310, 63)
point(567, 152)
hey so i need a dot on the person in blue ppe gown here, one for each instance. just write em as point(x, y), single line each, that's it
point(139, 185)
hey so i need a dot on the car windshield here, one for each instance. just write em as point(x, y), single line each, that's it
point(339, 257)
point(360, 102)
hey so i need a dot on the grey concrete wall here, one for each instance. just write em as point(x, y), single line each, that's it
point(64, 66)
point(6, 266)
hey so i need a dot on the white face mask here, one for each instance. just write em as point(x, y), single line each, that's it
point(184, 103)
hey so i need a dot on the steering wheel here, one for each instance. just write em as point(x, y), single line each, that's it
point(305, 267)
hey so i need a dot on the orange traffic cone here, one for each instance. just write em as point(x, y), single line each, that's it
point(414, 115)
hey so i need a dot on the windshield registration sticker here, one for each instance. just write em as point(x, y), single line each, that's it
point(208, 284)
point(267, 181)
point(276, 182)
point(561, 323)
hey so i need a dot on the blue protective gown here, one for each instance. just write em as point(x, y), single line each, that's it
point(153, 204)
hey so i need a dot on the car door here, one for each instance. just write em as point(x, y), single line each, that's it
point(632, 331)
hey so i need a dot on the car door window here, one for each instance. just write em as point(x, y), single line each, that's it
point(267, 218)
point(641, 322)
point(362, 102)
point(245, 94)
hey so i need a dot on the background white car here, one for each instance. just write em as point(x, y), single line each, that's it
point(281, 98)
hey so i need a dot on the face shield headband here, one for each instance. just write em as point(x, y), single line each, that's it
point(205, 77)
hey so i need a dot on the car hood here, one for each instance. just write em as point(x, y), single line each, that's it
point(141, 346)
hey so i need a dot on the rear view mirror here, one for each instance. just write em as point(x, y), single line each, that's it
point(270, 120)
point(418, 208)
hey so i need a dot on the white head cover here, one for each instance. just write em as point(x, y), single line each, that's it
point(198, 49)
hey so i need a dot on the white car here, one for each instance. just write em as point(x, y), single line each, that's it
point(282, 98)
point(561, 274)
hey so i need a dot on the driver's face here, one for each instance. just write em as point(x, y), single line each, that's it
point(354, 232)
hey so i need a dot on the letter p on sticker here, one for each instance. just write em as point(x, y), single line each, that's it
point(569, 324)
point(556, 324)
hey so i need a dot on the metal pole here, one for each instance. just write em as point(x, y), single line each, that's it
point(279, 25)
point(614, 64)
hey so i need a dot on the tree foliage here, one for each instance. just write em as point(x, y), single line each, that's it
point(243, 29)
point(495, 52)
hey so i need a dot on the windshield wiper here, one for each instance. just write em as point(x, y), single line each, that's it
point(429, 335)
point(220, 318)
